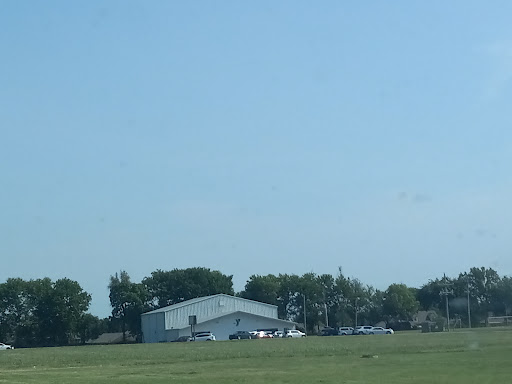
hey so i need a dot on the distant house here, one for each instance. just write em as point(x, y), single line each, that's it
point(423, 317)
point(111, 338)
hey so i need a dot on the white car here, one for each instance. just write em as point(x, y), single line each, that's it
point(5, 346)
point(343, 331)
point(363, 330)
point(294, 333)
point(261, 335)
point(381, 331)
point(204, 336)
point(268, 335)
point(278, 334)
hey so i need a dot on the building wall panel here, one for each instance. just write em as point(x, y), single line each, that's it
point(224, 326)
point(178, 318)
point(153, 328)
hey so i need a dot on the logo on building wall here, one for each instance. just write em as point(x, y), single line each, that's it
point(237, 322)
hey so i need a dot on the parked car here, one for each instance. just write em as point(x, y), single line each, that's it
point(294, 333)
point(204, 336)
point(5, 346)
point(261, 335)
point(363, 330)
point(278, 334)
point(328, 331)
point(255, 334)
point(182, 339)
point(381, 331)
point(239, 335)
point(343, 331)
point(267, 335)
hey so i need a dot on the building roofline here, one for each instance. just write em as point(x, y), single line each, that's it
point(198, 300)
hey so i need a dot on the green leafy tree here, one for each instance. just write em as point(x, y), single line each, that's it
point(15, 311)
point(399, 302)
point(429, 294)
point(344, 313)
point(128, 301)
point(171, 287)
point(376, 307)
point(484, 288)
point(355, 297)
point(264, 289)
point(41, 312)
point(310, 287)
point(339, 296)
point(289, 298)
point(487, 294)
point(58, 307)
point(90, 327)
point(331, 298)
point(502, 299)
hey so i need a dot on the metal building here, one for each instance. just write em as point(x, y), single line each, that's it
point(220, 314)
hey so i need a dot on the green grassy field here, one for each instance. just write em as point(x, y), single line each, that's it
point(482, 356)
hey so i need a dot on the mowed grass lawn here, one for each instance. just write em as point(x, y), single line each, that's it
point(480, 356)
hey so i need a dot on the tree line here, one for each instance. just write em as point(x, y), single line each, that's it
point(43, 312)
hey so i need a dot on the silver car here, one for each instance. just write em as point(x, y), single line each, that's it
point(363, 330)
point(343, 331)
point(294, 333)
point(204, 336)
point(381, 331)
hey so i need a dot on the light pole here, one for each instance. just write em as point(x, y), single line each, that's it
point(325, 308)
point(469, 306)
point(305, 328)
point(357, 298)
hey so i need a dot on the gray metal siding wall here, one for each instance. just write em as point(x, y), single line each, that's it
point(153, 328)
point(178, 318)
point(172, 334)
point(229, 324)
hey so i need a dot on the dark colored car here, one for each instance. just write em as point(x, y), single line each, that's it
point(328, 331)
point(182, 339)
point(240, 335)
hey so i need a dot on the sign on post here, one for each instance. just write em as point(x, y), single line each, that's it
point(192, 321)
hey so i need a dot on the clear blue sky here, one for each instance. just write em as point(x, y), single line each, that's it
point(254, 137)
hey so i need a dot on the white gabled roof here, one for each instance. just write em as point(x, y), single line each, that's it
point(199, 299)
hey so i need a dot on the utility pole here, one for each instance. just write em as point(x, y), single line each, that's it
point(469, 306)
point(356, 308)
point(325, 308)
point(305, 328)
point(445, 292)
